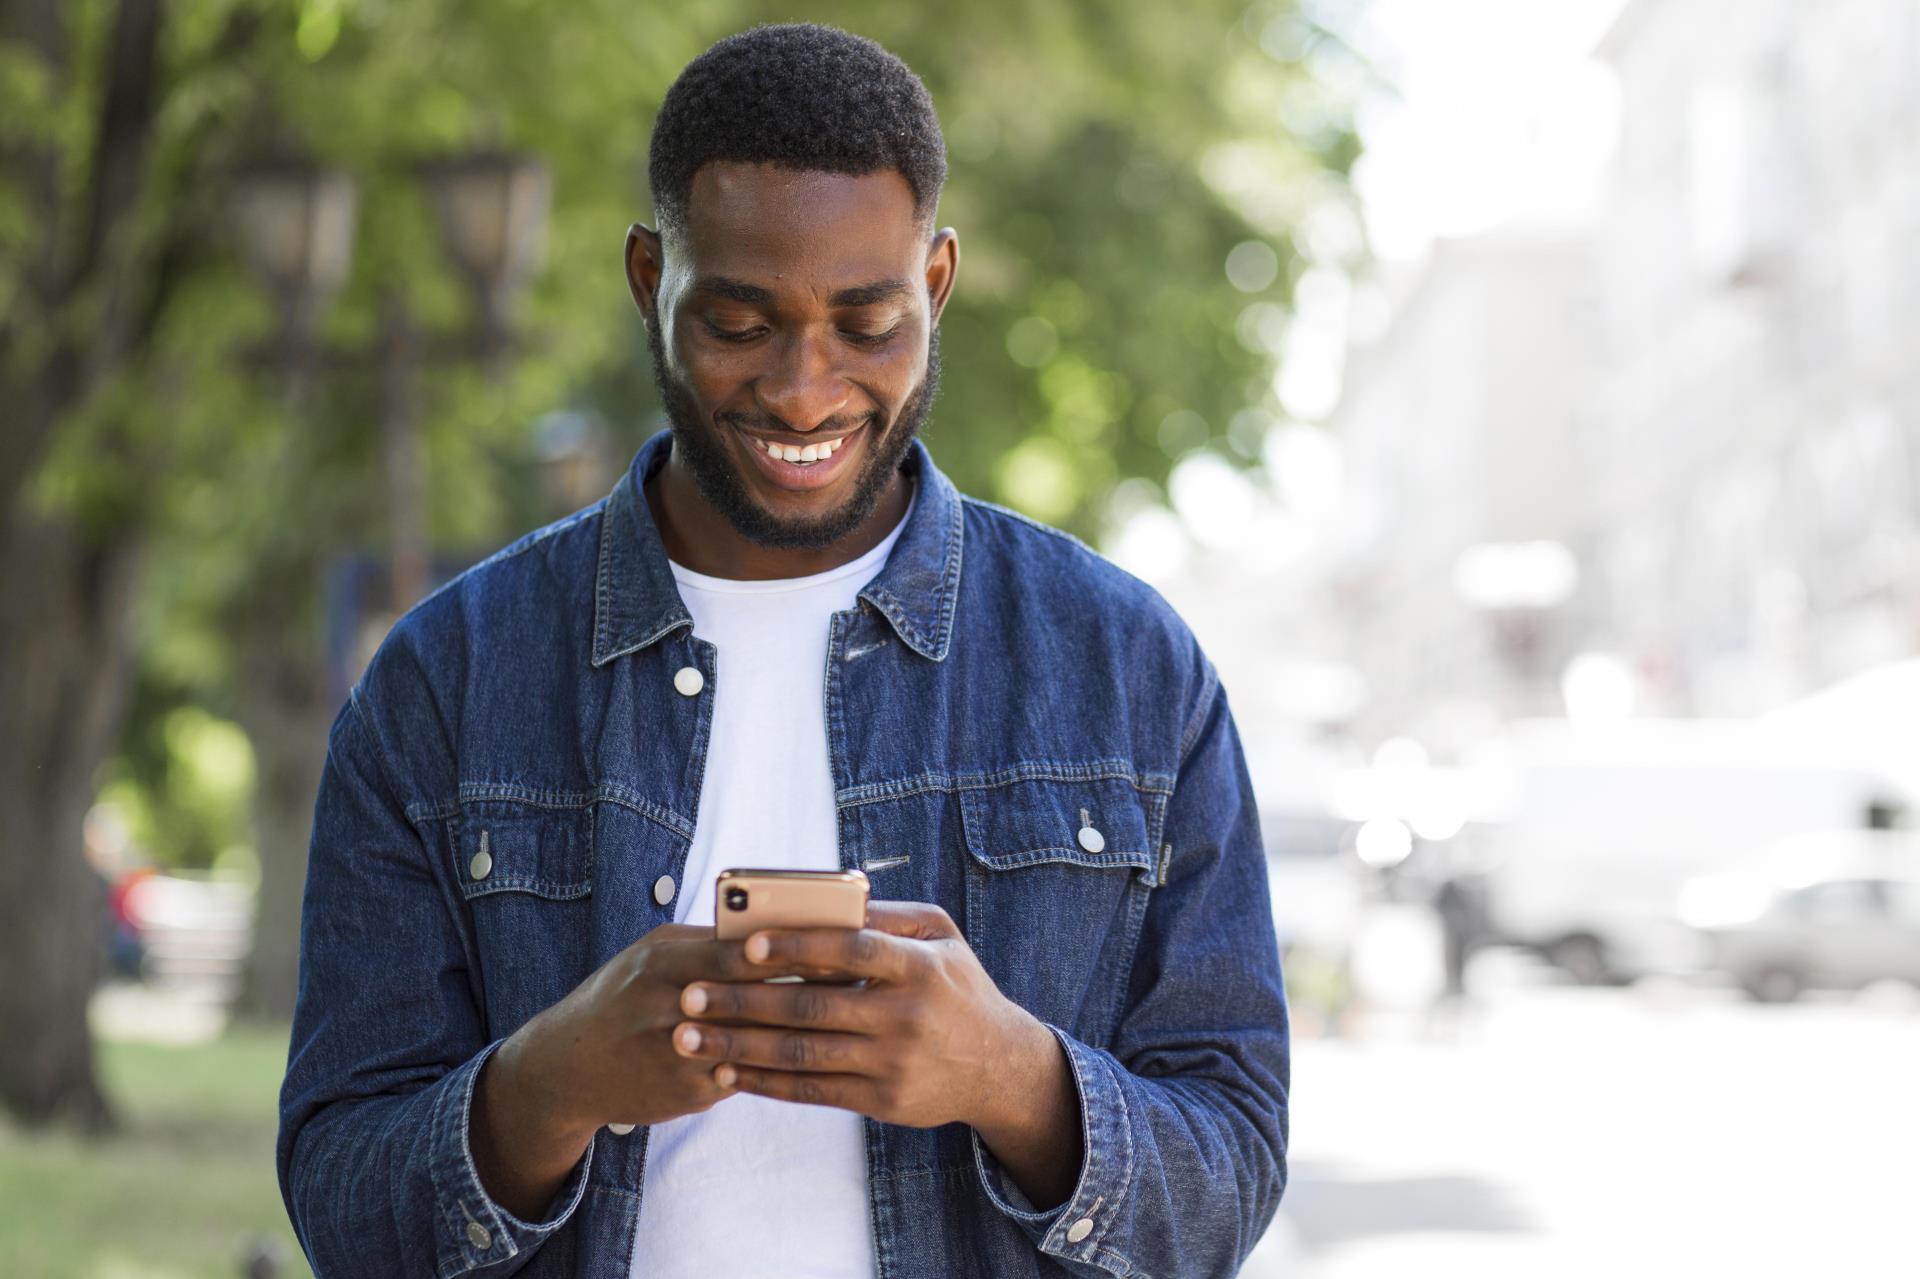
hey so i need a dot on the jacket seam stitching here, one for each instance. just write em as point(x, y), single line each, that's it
point(1130, 946)
point(1007, 511)
point(1126, 1158)
point(601, 571)
point(555, 801)
point(514, 550)
point(356, 699)
point(1208, 689)
point(950, 579)
point(950, 783)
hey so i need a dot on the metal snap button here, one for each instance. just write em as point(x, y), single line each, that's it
point(1080, 1230)
point(482, 861)
point(477, 1236)
point(663, 889)
point(1092, 840)
point(689, 680)
point(619, 1130)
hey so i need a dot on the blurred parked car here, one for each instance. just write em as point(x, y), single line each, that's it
point(1836, 909)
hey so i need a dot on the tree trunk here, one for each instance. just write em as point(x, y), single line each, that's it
point(63, 688)
point(64, 590)
point(286, 710)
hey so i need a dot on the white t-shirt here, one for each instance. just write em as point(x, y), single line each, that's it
point(755, 1186)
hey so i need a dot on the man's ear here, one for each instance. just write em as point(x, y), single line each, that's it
point(645, 263)
point(943, 262)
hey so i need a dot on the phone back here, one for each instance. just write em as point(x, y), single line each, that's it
point(745, 901)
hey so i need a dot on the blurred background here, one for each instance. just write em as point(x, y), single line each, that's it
point(1519, 400)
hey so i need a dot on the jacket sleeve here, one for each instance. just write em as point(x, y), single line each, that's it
point(1184, 1120)
point(373, 1156)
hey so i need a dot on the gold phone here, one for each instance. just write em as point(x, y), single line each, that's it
point(745, 901)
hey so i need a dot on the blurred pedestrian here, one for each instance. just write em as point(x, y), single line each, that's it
point(1462, 928)
point(108, 847)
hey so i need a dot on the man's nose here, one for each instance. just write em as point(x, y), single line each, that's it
point(804, 388)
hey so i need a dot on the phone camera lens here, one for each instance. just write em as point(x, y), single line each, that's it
point(736, 899)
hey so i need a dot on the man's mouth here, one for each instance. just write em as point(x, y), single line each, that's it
point(801, 466)
point(805, 455)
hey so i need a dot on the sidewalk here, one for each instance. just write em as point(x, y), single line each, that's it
point(135, 1012)
point(1664, 1128)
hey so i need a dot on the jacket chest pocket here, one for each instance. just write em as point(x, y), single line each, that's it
point(1057, 881)
point(525, 873)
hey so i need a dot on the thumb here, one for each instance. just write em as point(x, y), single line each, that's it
point(922, 920)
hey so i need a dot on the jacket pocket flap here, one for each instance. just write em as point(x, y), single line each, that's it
point(501, 846)
point(1100, 821)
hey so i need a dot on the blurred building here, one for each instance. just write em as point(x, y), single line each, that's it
point(1459, 425)
point(1752, 517)
point(1709, 399)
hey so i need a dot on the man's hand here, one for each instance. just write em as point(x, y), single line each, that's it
point(601, 1055)
point(928, 1040)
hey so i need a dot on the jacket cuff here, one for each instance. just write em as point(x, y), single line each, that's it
point(474, 1230)
point(1076, 1230)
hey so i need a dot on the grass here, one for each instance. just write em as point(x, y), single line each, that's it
point(179, 1192)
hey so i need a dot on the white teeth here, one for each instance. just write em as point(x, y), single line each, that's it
point(811, 453)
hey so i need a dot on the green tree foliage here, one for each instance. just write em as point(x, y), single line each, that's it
point(182, 783)
point(1093, 304)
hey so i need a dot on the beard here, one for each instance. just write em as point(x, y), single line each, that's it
point(697, 442)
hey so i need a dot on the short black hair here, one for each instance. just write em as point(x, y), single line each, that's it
point(802, 96)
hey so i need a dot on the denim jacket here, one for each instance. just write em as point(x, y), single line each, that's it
point(998, 689)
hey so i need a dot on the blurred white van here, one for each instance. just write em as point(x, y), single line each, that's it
point(1599, 827)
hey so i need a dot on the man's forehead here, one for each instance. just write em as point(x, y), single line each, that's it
point(765, 220)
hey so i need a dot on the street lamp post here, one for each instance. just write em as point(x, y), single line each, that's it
point(295, 225)
point(410, 545)
point(492, 208)
point(295, 229)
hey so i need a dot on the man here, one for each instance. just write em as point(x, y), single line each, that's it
point(519, 1047)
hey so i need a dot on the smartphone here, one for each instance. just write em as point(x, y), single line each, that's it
point(745, 901)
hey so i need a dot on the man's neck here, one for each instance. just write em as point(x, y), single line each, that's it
point(699, 537)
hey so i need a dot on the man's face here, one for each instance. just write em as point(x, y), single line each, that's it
point(797, 308)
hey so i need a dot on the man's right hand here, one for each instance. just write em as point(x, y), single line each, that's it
point(601, 1055)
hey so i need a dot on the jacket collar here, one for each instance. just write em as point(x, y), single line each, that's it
point(636, 601)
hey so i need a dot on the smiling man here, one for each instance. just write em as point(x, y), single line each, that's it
point(785, 640)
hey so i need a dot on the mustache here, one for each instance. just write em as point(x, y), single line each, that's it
point(768, 422)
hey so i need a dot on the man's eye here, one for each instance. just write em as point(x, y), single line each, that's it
point(869, 339)
point(733, 335)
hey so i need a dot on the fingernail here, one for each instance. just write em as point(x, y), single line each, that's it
point(757, 947)
point(724, 1076)
point(689, 1039)
point(695, 999)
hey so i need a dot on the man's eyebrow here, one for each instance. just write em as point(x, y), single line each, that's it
point(734, 290)
point(868, 294)
point(754, 295)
